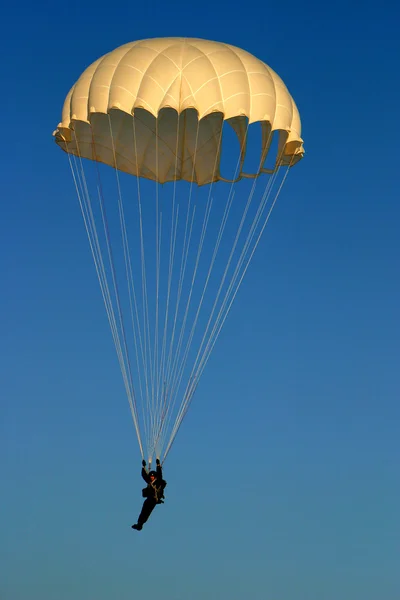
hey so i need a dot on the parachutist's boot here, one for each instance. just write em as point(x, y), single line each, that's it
point(137, 526)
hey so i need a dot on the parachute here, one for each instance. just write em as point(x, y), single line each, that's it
point(176, 188)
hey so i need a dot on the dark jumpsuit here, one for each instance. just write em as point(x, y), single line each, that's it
point(154, 492)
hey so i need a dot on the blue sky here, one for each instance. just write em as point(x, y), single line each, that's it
point(283, 482)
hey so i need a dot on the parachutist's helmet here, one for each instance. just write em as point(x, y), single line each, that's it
point(153, 475)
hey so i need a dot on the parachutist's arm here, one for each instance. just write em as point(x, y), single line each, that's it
point(145, 476)
point(159, 469)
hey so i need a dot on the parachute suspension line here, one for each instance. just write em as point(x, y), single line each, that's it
point(155, 378)
point(171, 386)
point(235, 243)
point(217, 329)
point(86, 209)
point(133, 303)
point(152, 348)
point(185, 250)
point(172, 251)
point(161, 389)
point(91, 230)
point(185, 254)
point(177, 372)
point(124, 347)
point(81, 190)
point(218, 324)
point(161, 384)
point(172, 247)
point(145, 337)
point(202, 357)
point(129, 280)
point(167, 406)
point(219, 238)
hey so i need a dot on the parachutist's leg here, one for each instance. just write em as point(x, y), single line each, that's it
point(147, 509)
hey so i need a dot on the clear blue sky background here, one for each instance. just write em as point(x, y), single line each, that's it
point(284, 481)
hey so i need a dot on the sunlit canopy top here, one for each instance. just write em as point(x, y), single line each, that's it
point(155, 108)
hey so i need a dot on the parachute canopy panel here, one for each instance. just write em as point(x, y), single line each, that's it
point(155, 108)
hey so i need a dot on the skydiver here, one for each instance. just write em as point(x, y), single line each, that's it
point(154, 493)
